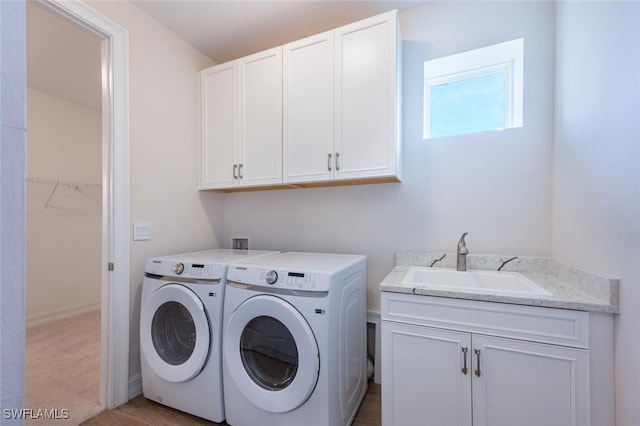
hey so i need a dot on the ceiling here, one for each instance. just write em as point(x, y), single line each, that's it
point(225, 30)
point(64, 60)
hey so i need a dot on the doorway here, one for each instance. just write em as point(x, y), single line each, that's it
point(64, 217)
point(114, 199)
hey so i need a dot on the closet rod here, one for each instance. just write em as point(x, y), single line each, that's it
point(56, 183)
point(73, 185)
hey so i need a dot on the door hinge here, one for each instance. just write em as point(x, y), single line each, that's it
point(110, 266)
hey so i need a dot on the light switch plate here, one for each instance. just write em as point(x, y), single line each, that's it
point(141, 231)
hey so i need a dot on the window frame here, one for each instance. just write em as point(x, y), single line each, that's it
point(507, 57)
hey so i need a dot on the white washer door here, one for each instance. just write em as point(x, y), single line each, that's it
point(174, 333)
point(271, 354)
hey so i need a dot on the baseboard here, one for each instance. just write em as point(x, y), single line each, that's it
point(135, 386)
point(62, 314)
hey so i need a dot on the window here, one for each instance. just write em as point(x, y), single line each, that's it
point(474, 91)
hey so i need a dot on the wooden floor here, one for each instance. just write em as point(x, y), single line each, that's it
point(141, 411)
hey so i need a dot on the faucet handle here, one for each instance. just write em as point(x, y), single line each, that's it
point(462, 245)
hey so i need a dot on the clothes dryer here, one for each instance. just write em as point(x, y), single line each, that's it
point(181, 329)
point(295, 340)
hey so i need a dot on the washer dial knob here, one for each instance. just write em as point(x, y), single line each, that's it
point(272, 277)
point(178, 268)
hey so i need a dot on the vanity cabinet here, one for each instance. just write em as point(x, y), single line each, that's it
point(242, 122)
point(342, 103)
point(456, 362)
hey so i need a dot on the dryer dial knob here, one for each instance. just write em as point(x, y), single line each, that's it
point(178, 268)
point(272, 277)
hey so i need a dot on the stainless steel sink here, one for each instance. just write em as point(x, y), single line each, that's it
point(476, 281)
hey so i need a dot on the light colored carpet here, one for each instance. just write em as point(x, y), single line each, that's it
point(63, 370)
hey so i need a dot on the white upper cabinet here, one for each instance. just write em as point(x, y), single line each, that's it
point(313, 112)
point(260, 152)
point(341, 103)
point(367, 126)
point(242, 122)
point(309, 109)
point(218, 126)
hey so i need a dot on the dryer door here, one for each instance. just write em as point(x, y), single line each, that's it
point(174, 333)
point(271, 353)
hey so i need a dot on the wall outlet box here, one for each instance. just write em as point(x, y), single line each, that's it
point(141, 231)
point(240, 243)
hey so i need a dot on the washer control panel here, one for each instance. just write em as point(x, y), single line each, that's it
point(173, 268)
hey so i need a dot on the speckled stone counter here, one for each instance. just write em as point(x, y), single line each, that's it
point(571, 287)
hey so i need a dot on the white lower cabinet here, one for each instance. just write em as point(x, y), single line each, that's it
point(422, 378)
point(528, 384)
point(461, 363)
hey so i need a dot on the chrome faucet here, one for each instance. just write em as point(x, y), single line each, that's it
point(461, 254)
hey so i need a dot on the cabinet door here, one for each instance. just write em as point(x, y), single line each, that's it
point(308, 109)
point(529, 384)
point(218, 126)
point(259, 155)
point(367, 98)
point(423, 382)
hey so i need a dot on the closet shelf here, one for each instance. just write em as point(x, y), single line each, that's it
point(76, 186)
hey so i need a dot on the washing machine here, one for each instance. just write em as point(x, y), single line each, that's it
point(181, 329)
point(294, 335)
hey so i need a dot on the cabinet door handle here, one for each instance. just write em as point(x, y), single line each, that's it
point(464, 357)
point(240, 174)
point(477, 352)
point(337, 161)
point(235, 169)
point(329, 162)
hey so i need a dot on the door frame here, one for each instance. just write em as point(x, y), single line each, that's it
point(114, 376)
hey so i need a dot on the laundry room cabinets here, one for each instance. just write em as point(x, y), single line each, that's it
point(242, 122)
point(452, 362)
point(319, 111)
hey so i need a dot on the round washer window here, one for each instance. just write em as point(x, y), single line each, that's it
point(269, 353)
point(173, 333)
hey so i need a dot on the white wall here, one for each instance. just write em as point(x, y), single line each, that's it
point(64, 143)
point(495, 185)
point(12, 205)
point(164, 146)
point(596, 198)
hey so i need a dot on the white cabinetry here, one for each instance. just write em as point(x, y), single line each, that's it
point(342, 103)
point(242, 122)
point(457, 362)
point(309, 109)
point(319, 111)
point(367, 126)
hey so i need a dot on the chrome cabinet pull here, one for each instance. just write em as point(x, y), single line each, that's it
point(464, 356)
point(240, 168)
point(477, 352)
point(235, 169)
point(337, 161)
point(329, 162)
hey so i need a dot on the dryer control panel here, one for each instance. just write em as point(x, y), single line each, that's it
point(279, 278)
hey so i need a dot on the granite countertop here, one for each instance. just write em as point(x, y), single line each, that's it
point(571, 287)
